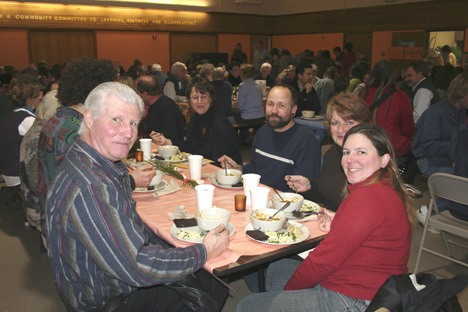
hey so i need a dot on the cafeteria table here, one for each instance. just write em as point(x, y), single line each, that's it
point(244, 254)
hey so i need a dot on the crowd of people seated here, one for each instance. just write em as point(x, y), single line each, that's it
point(59, 122)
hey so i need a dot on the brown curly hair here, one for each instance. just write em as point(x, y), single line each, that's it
point(81, 76)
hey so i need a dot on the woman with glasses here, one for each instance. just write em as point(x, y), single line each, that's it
point(209, 133)
point(344, 111)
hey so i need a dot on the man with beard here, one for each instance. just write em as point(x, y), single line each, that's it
point(281, 147)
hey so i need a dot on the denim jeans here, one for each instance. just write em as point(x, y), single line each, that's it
point(427, 170)
point(310, 299)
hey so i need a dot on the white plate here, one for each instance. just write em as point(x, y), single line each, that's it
point(305, 232)
point(215, 183)
point(305, 209)
point(158, 187)
point(313, 118)
point(177, 161)
point(175, 232)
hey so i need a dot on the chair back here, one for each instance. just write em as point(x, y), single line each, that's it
point(449, 186)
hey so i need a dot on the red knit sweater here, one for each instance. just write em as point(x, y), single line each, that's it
point(395, 115)
point(369, 240)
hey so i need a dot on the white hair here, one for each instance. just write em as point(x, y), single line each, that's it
point(96, 102)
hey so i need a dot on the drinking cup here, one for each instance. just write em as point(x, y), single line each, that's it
point(239, 202)
point(259, 197)
point(145, 145)
point(205, 194)
point(138, 155)
point(195, 166)
point(250, 180)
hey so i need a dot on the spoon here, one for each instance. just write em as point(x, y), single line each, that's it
point(225, 168)
point(281, 197)
point(281, 209)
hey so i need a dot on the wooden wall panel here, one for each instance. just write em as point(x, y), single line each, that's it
point(184, 44)
point(361, 42)
point(430, 15)
point(61, 46)
point(125, 46)
point(14, 49)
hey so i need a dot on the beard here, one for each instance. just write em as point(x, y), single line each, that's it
point(279, 123)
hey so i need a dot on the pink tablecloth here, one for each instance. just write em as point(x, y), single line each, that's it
point(154, 212)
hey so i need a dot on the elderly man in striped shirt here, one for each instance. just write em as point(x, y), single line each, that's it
point(103, 256)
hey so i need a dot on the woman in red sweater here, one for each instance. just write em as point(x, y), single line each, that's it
point(368, 240)
point(391, 108)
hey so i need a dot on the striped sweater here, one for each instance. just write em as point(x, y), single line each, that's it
point(98, 246)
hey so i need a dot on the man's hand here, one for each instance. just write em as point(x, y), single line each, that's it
point(143, 175)
point(309, 86)
point(227, 162)
point(216, 241)
point(297, 183)
point(159, 138)
point(325, 218)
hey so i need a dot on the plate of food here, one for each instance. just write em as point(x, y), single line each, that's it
point(308, 211)
point(237, 186)
point(316, 117)
point(293, 233)
point(178, 158)
point(153, 188)
point(194, 234)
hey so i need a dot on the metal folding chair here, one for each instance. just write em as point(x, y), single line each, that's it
point(454, 188)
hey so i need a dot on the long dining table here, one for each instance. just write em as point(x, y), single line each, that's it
point(244, 254)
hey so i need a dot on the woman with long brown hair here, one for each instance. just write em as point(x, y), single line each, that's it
point(368, 240)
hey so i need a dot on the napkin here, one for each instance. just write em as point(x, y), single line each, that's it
point(180, 212)
point(171, 187)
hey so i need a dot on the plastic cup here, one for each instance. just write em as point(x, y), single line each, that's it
point(240, 202)
point(145, 146)
point(250, 180)
point(205, 194)
point(259, 197)
point(195, 166)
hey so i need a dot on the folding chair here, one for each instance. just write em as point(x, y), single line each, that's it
point(454, 188)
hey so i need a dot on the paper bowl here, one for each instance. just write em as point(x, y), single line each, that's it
point(209, 218)
point(233, 176)
point(295, 199)
point(157, 179)
point(259, 218)
point(167, 151)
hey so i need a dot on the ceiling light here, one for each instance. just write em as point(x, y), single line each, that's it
point(193, 3)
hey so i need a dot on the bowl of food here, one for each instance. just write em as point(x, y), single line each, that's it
point(167, 151)
point(261, 220)
point(209, 218)
point(157, 179)
point(308, 113)
point(233, 176)
point(294, 199)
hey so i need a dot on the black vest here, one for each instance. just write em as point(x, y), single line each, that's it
point(179, 91)
point(426, 84)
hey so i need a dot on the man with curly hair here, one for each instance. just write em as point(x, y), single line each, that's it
point(79, 78)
